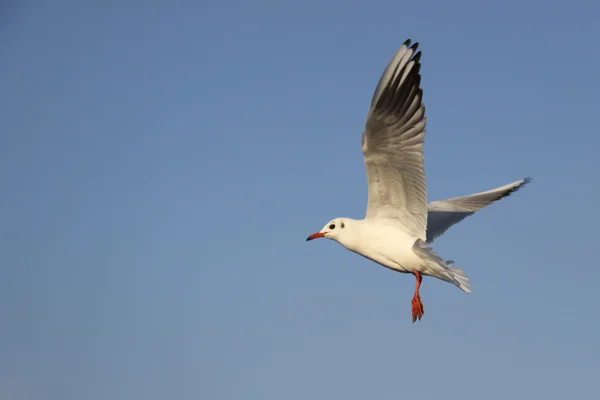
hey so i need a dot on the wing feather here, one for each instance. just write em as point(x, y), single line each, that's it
point(392, 144)
point(443, 214)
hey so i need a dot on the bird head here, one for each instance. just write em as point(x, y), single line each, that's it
point(334, 230)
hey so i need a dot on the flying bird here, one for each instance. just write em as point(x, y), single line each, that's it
point(399, 224)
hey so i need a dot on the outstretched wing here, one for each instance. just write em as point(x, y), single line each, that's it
point(443, 214)
point(392, 144)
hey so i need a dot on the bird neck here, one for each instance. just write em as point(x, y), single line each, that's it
point(350, 239)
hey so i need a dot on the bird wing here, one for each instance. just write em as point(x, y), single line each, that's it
point(392, 144)
point(443, 214)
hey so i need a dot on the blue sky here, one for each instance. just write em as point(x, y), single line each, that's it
point(163, 162)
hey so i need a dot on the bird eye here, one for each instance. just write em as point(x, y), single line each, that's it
point(332, 226)
point(342, 225)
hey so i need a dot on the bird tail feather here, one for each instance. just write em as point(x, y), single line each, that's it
point(440, 268)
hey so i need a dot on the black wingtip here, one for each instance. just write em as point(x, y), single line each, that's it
point(417, 57)
point(413, 47)
point(514, 189)
point(525, 180)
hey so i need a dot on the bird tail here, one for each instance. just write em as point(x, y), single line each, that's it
point(440, 268)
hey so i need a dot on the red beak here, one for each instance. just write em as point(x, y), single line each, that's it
point(315, 236)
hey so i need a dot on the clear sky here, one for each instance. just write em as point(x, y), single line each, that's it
point(162, 163)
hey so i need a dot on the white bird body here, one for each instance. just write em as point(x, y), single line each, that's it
point(393, 247)
point(399, 223)
point(386, 242)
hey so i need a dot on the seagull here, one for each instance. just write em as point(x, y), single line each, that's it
point(399, 225)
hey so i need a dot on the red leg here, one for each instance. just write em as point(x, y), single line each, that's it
point(417, 304)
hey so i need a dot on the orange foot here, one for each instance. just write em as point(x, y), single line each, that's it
point(417, 309)
point(417, 304)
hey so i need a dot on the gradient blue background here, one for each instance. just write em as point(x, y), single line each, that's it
point(162, 163)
